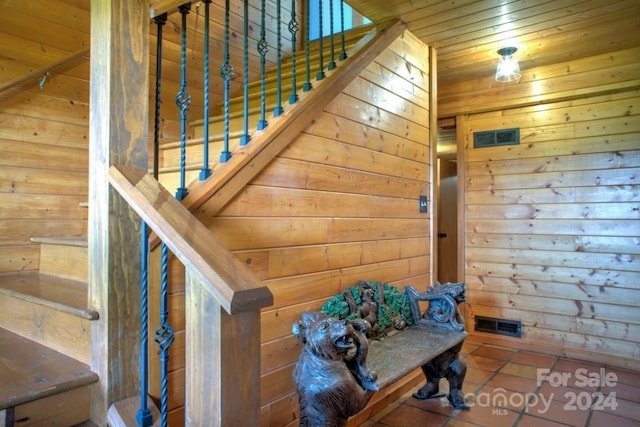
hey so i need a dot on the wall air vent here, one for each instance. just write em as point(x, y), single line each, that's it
point(512, 328)
point(494, 138)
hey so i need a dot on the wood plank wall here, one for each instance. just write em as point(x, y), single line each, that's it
point(44, 132)
point(552, 225)
point(339, 205)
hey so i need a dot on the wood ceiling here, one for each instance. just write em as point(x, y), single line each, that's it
point(467, 33)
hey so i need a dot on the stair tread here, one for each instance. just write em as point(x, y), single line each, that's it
point(30, 371)
point(63, 294)
point(80, 241)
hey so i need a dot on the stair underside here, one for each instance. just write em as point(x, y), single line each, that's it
point(31, 371)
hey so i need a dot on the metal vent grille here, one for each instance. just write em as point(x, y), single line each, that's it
point(512, 328)
point(494, 138)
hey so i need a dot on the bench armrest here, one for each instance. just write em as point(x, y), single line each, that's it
point(442, 311)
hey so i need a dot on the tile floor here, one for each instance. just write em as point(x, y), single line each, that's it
point(508, 387)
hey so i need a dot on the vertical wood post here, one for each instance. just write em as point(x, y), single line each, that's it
point(222, 362)
point(118, 136)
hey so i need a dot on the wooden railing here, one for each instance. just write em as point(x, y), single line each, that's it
point(222, 298)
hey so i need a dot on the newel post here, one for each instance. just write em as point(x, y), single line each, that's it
point(118, 135)
point(222, 367)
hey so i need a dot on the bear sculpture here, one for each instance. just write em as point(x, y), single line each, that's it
point(331, 378)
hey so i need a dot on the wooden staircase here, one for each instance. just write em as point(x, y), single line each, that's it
point(170, 152)
point(45, 339)
point(45, 318)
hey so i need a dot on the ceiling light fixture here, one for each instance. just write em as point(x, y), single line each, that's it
point(508, 68)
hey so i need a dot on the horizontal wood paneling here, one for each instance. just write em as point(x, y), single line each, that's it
point(553, 224)
point(24, 258)
point(43, 132)
point(612, 72)
point(468, 33)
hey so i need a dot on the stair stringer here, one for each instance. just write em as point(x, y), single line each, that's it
point(245, 164)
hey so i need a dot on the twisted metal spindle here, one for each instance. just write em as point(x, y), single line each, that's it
point(205, 172)
point(307, 86)
point(293, 29)
point(160, 21)
point(245, 138)
point(320, 74)
point(183, 100)
point(278, 110)
point(226, 72)
point(332, 62)
point(263, 48)
point(144, 417)
point(343, 53)
point(164, 337)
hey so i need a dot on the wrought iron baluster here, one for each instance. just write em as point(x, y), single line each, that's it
point(343, 54)
point(278, 110)
point(293, 29)
point(183, 100)
point(320, 74)
point(164, 336)
point(226, 72)
point(160, 21)
point(144, 417)
point(263, 48)
point(332, 62)
point(205, 172)
point(307, 86)
point(245, 138)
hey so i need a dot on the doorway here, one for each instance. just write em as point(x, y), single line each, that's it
point(447, 238)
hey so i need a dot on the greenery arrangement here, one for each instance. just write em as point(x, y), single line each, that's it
point(393, 311)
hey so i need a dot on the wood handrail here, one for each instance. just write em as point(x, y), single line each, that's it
point(235, 287)
point(37, 74)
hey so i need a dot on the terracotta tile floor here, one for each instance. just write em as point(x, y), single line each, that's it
point(507, 387)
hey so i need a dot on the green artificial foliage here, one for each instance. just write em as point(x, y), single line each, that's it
point(336, 307)
point(396, 306)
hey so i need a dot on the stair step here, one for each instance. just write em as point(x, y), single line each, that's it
point(79, 241)
point(31, 371)
point(68, 296)
point(64, 256)
point(52, 311)
point(67, 408)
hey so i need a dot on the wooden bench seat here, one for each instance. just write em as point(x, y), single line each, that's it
point(398, 355)
point(371, 336)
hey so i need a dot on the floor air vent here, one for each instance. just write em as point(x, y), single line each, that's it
point(512, 328)
point(494, 138)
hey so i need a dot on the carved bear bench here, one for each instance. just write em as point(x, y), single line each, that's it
point(372, 335)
